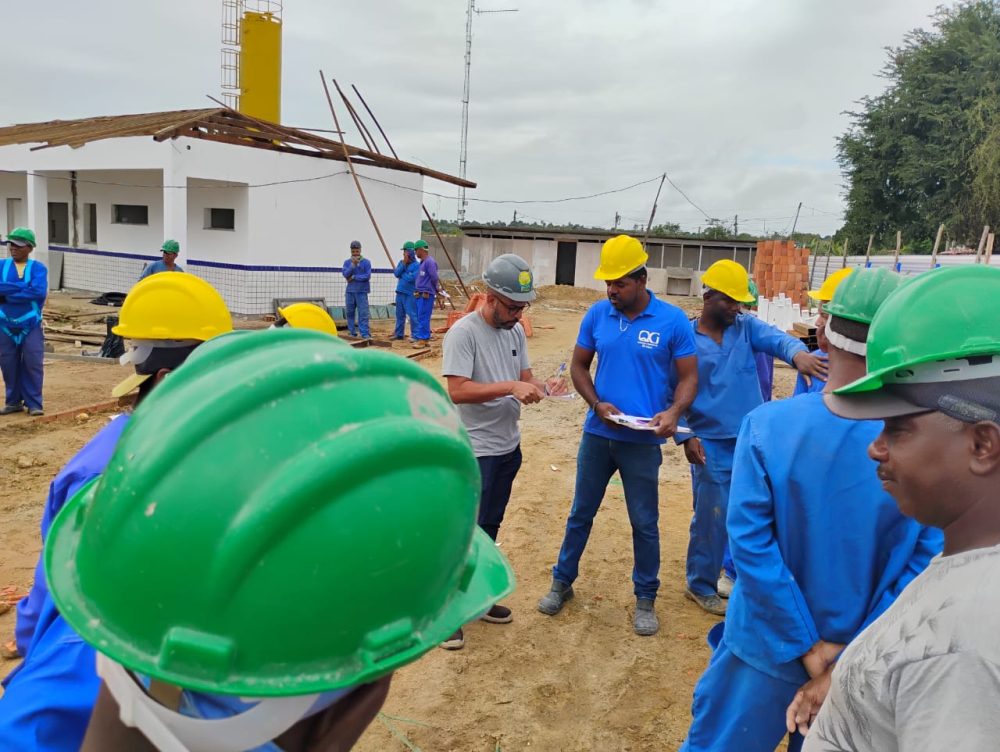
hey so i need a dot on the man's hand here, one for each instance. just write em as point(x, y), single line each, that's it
point(694, 452)
point(811, 366)
point(556, 386)
point(604, 411)
point(664, 424)
point(820, 657)
point(526, 393)
point(808, 700)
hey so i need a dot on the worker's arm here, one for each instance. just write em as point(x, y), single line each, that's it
point(771, 596)
point(665, 423)
point(35, 290)
point(364, 271)
point(464, 390)
point(553, 387)
point(432, 274)
point(767, 338)
point(348, 269)
point(398, 271)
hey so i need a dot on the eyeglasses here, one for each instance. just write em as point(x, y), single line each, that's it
point(513, 310)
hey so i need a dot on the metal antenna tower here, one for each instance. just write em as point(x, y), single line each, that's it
point(463, 157)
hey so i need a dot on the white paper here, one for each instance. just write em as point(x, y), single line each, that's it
point(639, 424)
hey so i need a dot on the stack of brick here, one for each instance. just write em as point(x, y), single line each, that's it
point(781, 267)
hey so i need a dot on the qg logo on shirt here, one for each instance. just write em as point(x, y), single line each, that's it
point(648, 340)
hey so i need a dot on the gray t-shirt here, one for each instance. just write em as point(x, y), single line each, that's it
point(483, 353)
point(925, 676)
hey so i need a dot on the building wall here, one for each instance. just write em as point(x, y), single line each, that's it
point(295, 216)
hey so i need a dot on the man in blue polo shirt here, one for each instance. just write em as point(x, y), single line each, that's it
point(728, 389)
point(639, 340)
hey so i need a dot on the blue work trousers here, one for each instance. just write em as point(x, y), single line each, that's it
point(737, 707)
point(639, 465)
point(727, 558)
point(498, 475)
point(21, 366)
point(425, 307)
point(406, 308)
point(708, 540)
point(357, 302)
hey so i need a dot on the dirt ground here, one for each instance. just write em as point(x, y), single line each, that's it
point(577, 681)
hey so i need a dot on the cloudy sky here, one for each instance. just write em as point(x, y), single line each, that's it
point(739, 101)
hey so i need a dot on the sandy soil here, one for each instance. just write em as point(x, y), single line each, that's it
point(578, 681)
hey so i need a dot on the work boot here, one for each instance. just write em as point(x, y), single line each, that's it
point(725, 585)
point(645, 622)
point(36, 412)
point(419, 344)
point(553, 601)
point(498, 615)
point(456, 641)
point(11, 409)
point(711, 603)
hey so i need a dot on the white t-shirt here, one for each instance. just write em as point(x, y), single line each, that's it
point(925, 676)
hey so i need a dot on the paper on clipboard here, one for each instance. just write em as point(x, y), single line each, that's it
point(640, 424)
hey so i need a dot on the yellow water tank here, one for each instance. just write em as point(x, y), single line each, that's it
point(260, 66)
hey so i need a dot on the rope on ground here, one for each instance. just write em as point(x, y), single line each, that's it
point(400, 736)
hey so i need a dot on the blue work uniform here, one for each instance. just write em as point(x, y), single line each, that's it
point(356, 296)
point(815, 385)
point(158, 266)
point(406, 303)
point(821, 550)
point(634, 364)
point(22, 343)
point(49, 697)
point(425, 292)
point(728, 389)
point(765, 374)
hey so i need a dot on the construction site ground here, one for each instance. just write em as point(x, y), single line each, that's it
point(578, 681)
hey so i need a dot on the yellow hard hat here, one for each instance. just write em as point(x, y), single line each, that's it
point(620, 256)
point(173, 306)
point(729, 278)
point(829, 286)
point(308, 316)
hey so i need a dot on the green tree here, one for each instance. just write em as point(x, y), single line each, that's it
point(927, 150)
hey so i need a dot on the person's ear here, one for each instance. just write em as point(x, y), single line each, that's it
point(985, 445)
point(159, 375)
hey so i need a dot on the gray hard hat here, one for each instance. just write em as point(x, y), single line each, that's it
point(510, 276)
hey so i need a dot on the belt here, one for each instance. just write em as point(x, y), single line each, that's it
point(422, 295)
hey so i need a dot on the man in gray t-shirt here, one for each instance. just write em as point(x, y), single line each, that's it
point(489, 378)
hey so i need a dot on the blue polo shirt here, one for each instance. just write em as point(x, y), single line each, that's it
point(728, 387)
point(634, 362)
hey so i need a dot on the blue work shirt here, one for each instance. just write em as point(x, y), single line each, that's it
point(358, 276)
point(24, 296)
point(158, 266)
point(407, 276)
point(817, 385)
point(820, 548)
point(634, 362)
point(728, 385)
point(49, 697)
point(427, 276)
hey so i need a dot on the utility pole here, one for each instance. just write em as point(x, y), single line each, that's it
point(515, 217)
point(618, 218)
point(792, 234)
point(736, 224)
point(463, 156)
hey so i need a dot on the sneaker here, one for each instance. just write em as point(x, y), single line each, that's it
point(456, 641)
point(725, 585)
point(11, 409)
point(711, 603)
point(36, 412)
point(645, 622)
point(553, 601)
point(498, 615)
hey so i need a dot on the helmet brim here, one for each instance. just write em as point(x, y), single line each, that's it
point(877, 405)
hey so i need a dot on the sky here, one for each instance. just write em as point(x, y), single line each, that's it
point(740, 102)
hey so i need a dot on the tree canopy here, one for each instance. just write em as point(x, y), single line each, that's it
point(927, 150)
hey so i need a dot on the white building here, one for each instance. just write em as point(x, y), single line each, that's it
point(260, 210)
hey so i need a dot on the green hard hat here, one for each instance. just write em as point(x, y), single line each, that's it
point(860, 294)
point(755, 292)
point(945, 314)
point(170, 246)
point(408, 245)
point(420, 244)
point(22, 236)
point(264, 527)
